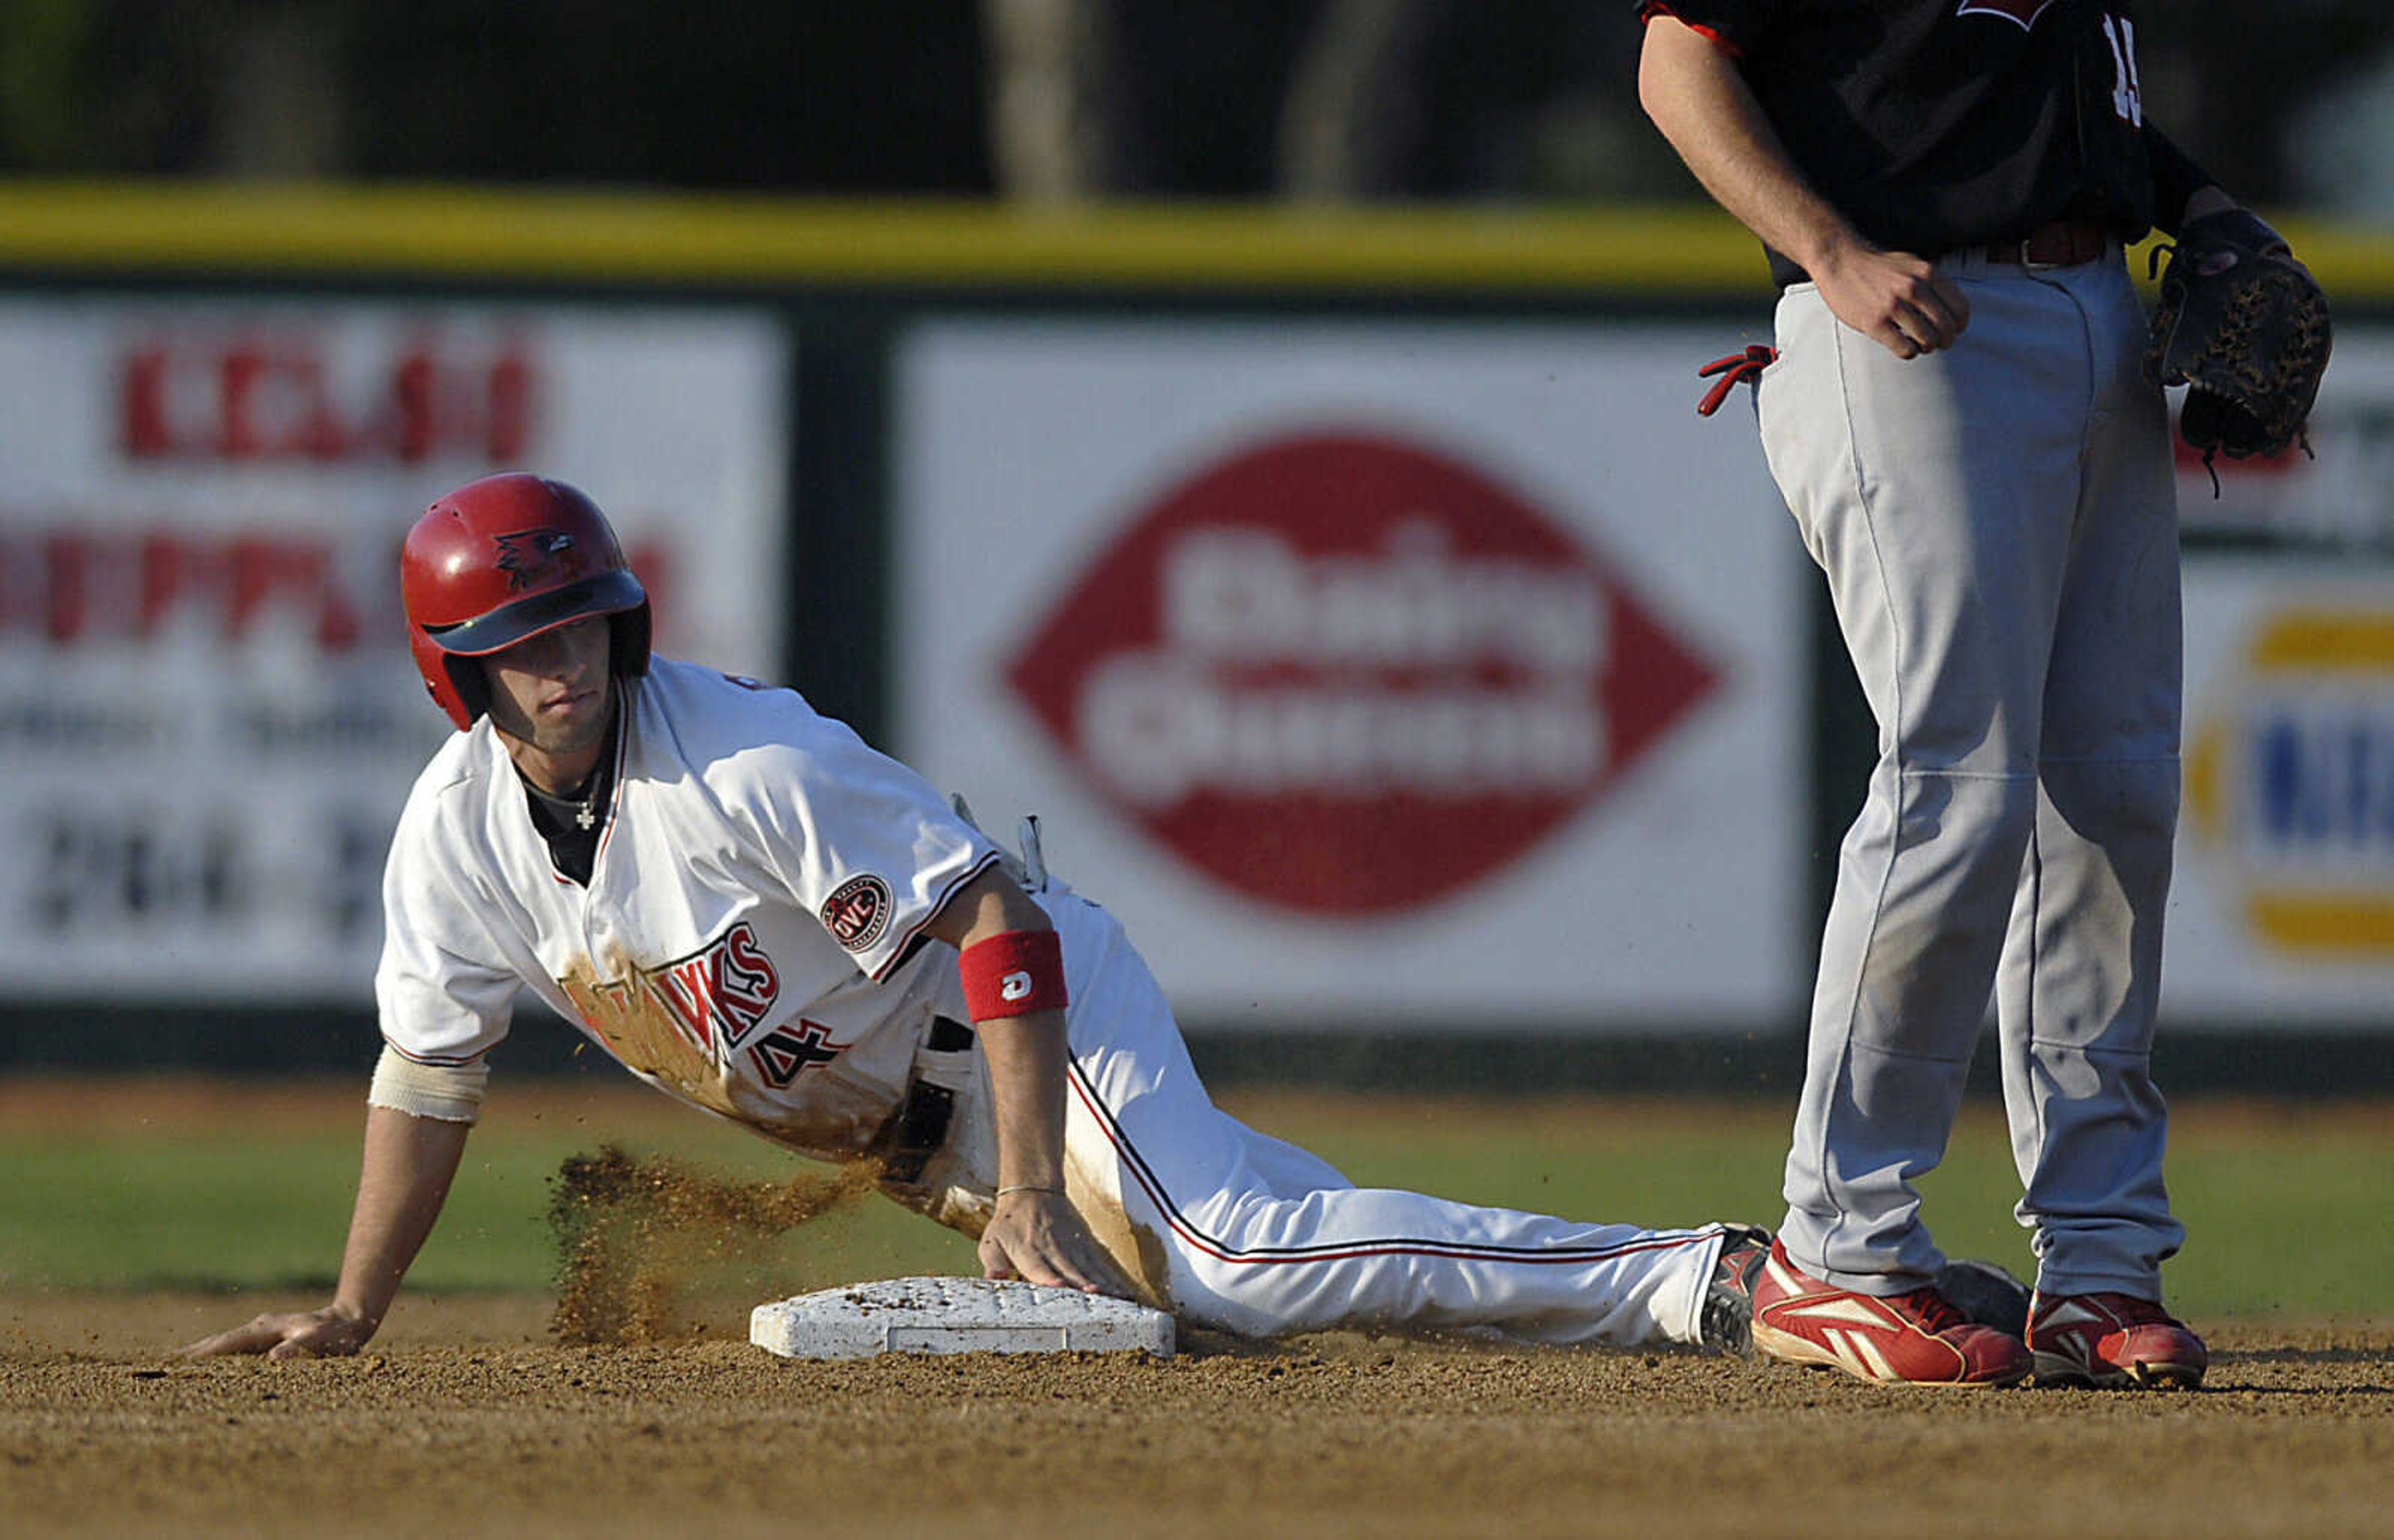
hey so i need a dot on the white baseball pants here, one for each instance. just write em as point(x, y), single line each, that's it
point(1246, 1232)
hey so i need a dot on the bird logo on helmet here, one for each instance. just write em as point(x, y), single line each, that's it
point(504, 559)
point(526, 555)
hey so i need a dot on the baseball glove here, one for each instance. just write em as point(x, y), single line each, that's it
point(2243, 327)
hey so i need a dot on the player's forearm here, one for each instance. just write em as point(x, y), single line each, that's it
point(1692, 91)
point(1026, 1057)
point(1026, 1054)
point(404, 1179)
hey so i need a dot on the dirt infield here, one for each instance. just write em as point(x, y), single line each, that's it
point(464, 1419)
point(468, 1417)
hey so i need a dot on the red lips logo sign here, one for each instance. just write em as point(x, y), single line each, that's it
point(1346, 675)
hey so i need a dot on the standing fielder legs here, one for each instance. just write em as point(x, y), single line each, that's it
point(2076, 994)
point(2006, 583)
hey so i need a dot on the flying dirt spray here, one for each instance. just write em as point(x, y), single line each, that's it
point(633, 1233)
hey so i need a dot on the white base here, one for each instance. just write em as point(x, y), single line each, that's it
point(955, 1315)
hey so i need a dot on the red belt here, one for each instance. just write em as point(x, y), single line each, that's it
point(2062, 243)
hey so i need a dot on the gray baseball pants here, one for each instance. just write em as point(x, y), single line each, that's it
point(1997, 523)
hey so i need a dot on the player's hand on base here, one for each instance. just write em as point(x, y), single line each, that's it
point(1897, 300)
point(328, 1333)
point(1040, 1238)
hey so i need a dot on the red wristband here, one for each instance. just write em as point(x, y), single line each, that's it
point(1012, 974)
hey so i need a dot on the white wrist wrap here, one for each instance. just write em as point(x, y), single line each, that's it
point(453, 1093)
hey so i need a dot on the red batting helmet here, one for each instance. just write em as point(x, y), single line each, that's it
point(507, 558)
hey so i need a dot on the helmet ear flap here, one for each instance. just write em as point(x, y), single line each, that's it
point(471, 685)
point(628, 636)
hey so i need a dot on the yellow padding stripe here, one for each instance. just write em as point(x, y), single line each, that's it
point(468, 232)
point(330, 229)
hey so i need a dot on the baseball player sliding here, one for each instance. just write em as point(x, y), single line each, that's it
point(760, 915)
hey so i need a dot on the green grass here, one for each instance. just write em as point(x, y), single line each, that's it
point(2286, 1211)
point(220, 1210)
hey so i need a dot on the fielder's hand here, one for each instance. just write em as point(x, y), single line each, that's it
point(328, 1333)
point(1039, 1237)
point(1897, 300)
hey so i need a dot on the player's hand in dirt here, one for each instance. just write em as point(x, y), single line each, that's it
point(1897, 300)
point(1039, 1237)
point(328, 1333)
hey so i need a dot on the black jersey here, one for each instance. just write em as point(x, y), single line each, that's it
point(1936, 124)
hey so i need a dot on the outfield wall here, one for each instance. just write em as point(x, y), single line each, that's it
point(1358, 598)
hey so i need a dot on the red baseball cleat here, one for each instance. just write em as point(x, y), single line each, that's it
point(2113, 1340)
point(1915, 1338)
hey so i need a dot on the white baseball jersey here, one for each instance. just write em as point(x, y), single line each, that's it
point(751, 940)
point(744, 943)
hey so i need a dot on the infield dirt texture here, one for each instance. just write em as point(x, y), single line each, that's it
point(468, 1417)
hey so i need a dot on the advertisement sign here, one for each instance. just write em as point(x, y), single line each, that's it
point(1377, 676)
point(207, 713)
point(2282, 906)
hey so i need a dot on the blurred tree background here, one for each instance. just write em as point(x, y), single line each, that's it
point(1038, 99)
